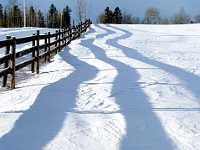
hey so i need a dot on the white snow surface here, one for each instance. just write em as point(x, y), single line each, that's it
point(21, 33)
point(119, 87)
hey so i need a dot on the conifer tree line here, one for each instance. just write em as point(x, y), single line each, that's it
point(12, 16)
point(151, 16)
point(111, 16)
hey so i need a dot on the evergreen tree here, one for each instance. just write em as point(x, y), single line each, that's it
point(117, 16)
point(31, 17)
point(66, 17)
point(41, 20)
point(16, 16)
point(5, 18)
point(1, 15)
point(53, 18)
point(108, 15)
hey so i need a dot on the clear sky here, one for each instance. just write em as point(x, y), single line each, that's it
point(135, 7)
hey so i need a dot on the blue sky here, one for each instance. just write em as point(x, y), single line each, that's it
point(135, 7)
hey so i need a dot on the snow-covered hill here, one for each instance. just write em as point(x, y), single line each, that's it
point(120, 87)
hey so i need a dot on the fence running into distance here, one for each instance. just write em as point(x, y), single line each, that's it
point(53, 43)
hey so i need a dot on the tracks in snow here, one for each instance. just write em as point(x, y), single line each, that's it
point(111, 110)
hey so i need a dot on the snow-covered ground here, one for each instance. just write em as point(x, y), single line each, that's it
point(21, 33)
point(120, 87)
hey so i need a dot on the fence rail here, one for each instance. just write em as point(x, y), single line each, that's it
point(53, 43)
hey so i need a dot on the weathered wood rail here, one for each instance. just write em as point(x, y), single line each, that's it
point(53, 43)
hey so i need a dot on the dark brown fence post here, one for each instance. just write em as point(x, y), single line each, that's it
point(73, 33)
point(33, 55)
point(85, 26)
point(79, 30)
point(6, 63)
point(81, 27)
point(38, 52)
point(45, 49)
point(59, 43)
point(13, 60)
point(49, 47)
point(65, 36)
point(70, 34)
point(63, 40)
point(56, 39)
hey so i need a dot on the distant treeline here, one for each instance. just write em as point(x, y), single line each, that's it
point(152, 16)
point(13, 16)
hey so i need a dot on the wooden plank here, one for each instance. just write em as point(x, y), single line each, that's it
point(5, 43)
point(5, 58)
point(54, 35)
point(43, 55)
point(25, 40)
point(25, 52)
point(54, 42)
point(43, 46)
point(5, 71)
point(24, 64)
point(43, 37)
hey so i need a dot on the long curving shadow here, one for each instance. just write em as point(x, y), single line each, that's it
point(101, 36)
point(190, 80)
point(144, 130)
point(42, 122)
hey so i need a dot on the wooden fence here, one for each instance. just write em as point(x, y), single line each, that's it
point(53, 43)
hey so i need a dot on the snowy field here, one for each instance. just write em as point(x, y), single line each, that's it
point(119, 87)
point(21, 33)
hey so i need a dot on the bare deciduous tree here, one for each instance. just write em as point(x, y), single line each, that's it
point(81, 10)
point(152, 16)
point(182, 17)
point(129, 19)
point(197, 19)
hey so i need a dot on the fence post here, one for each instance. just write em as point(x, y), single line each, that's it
point(86, 25)
point(73, 33)
point(81, 27)
point(76, 32)
point(33, 55)
point(63, 40)
point(79, 30)
point(49, 47)
point(59, 43)
point(65, 36)
point(56, 39)
point(6, 63)
point(45, 50)
point(13, 60)
point(38, 52)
